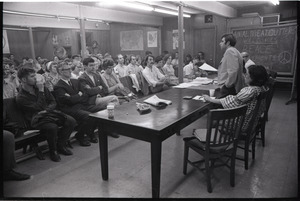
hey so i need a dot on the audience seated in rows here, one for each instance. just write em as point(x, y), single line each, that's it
point(39, 107)
point(72, 101)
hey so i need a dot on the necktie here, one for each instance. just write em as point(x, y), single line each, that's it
point(70, 83)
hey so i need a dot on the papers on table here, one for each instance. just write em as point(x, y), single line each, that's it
point(196, 82)
point(30, 132)
point(207, 67)
point(154, 100)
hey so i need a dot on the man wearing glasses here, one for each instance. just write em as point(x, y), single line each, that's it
point(75, 103)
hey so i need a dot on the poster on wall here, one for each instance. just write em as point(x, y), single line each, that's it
point(5, 44)
point(175, 37)
point(152, 38)
point(131, 40)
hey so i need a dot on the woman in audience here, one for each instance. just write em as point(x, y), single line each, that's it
point(111, 80)
point(255, 77)
point(190, 71)
point(169, 71)
point(51, 77)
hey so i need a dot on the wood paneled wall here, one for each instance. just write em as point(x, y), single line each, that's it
point(115, 31)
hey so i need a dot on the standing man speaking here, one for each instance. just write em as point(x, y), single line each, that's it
point(230, 71)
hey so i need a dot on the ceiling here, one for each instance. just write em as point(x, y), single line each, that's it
point(172, 5)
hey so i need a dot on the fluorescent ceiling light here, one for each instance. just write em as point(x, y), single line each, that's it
point(28, 14)
point(169, 12)
point(126, 4)
point(93, 20)
point(66, 18)
point(275, 2)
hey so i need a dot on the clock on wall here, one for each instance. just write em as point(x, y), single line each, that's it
point(208, 18)
point(60, 52)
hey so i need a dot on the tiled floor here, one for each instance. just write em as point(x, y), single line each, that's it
point(273, 174)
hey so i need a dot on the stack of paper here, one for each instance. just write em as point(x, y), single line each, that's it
point(154, 100)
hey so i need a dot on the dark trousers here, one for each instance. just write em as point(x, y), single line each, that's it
point(9, 161)
point(225, 91)
point(55, 135)
point(86, 125)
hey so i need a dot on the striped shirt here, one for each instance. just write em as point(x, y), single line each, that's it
point(247, 96)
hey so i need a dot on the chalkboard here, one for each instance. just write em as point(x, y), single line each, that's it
point(273, 47)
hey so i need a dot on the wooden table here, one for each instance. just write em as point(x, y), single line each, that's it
point(153, 127)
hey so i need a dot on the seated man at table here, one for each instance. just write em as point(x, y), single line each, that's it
point(92, 84)
point(74, 102)
point(155, 79)
point(190, 71)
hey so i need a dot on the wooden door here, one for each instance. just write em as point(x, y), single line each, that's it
point(205, 41)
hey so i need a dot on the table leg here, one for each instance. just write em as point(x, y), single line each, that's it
point(155, 167)
point(103, 153)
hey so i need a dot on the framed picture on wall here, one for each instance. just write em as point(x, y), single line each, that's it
point(175, 38)
point(152, 38)
point(131, 40)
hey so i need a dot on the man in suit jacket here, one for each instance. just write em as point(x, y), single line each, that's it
point(74, 102)
point(92, 84)
point(230, 71)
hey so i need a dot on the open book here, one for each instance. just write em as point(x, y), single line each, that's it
point(154, 100)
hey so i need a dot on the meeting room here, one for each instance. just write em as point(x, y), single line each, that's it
point(150, 99)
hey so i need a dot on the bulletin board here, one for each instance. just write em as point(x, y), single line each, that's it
point(273, 47)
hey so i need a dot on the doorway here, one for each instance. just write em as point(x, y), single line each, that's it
point(205, 41)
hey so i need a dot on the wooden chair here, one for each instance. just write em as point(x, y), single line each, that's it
point(217, 142)
point(264, 118)
point(248, 137)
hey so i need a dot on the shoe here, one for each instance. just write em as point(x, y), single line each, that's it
point(84, 142)
point(114, 135)
point(63, 150)
point(93, 138)
point(15, 176)
point(54, 156)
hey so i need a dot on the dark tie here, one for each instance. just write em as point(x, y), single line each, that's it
point(70, 83)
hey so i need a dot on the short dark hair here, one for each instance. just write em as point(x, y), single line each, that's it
point(199, 63)
point(146, 59)
point(132, 55)
point(76, 55)
point(231, 38)
point(148, 52)
point(258, 74)
point(24, 71)
point(107, 63)
point(196, 56)
point(158, 59)
point(25, 58)
point(68, 60)
point(88, 60)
